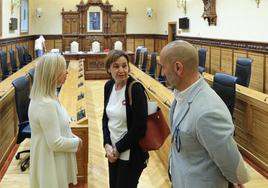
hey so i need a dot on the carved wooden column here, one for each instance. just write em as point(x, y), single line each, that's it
point(210, 11)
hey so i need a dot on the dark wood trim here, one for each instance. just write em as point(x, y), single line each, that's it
point(47, 37)
point(259, 47)
point(11, 40)
point(155, 36)
point(140, 35)
point(250, 46)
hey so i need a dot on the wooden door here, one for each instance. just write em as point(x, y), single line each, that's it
point(118, 23)
point(172, 27)
point(70, 23)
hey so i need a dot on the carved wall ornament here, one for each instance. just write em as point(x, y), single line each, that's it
point(96, 20)
point(210, 11)
point(258, 3)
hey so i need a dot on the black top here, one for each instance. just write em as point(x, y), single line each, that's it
point(136, 122)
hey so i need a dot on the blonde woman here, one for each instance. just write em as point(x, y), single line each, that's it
point(53, 145)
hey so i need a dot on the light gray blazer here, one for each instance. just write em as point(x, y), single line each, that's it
point(203, 151)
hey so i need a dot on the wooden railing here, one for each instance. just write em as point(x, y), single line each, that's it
point(8, 113)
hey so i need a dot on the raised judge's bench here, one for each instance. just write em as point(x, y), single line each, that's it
point(94, 65)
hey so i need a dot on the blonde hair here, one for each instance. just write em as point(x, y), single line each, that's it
point(48, 70)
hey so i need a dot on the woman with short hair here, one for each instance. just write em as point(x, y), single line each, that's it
point(123, 125)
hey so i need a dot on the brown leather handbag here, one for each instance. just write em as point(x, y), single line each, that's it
point(157, 127)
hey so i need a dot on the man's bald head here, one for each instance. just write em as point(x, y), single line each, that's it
point(181, 51)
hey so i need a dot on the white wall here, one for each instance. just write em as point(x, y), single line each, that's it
point(237, 19)
point(51, 21)
point(6, 15)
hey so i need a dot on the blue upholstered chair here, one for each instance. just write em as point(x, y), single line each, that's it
point(243, 71)
point(224, 86)
point(22, 91)
point(13, 60)
point(4, 67)
point(137, 56)
point(26, 56)
point(202, 54)
point(201, 69)
point(20, 56)
point(153, 65)
point(31, 73)
point(143, 59)
point(161, 78)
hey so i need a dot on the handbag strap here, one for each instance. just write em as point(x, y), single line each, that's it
point(130, 89)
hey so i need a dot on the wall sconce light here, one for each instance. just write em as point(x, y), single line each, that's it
point(39, 12)
point(258, 3)
point(182, 4)
point(149, 12)
point(14, 3)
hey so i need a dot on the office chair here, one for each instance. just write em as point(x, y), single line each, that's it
point(243, 71)
point(202, 54)
point(31, 73)
point(224, 86)
point(137, 56)
point(20, 56)
point(13, 61)
point(161, 78)
point(26, 56)
point(143, 59)
point(22, 91)
point(4, 67)
point(201, 69)
point(153, 65)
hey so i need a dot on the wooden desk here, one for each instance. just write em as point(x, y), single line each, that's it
point(8, 113)
point(94, 65)
point(68, 98)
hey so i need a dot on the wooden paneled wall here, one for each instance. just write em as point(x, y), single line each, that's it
point(222, 56)
point(11, 43)
point(220, 59)
point(52, 41)
point(154, 43)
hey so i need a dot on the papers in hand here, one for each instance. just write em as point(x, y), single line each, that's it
point(152, 107)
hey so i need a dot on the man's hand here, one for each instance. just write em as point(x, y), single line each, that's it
point(237, 185)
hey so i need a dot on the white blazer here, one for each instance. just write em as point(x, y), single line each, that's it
point(53, 146)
